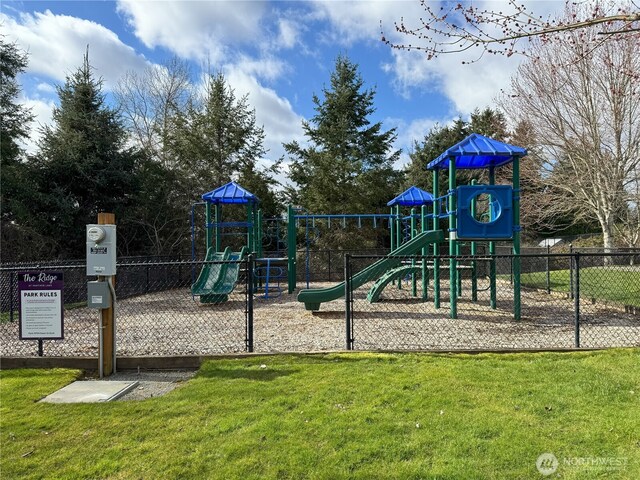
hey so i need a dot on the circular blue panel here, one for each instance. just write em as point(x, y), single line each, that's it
point(494, 209)
point(500, 208)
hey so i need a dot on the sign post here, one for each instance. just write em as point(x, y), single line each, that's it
point(41, 306)
point(101, 261)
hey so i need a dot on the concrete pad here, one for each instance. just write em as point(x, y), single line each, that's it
point(90, 391)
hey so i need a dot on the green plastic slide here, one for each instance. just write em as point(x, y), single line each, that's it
point(210, 273)
point(390, 276)
point(312, 298)
point(220, 279)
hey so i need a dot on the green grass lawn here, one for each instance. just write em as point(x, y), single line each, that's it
point(614, 285)
point(340, 416)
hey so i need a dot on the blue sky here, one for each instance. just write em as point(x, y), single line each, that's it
point(280, 53)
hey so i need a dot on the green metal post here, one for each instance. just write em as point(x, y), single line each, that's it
point(453, 235)
point(259, 234)
point(458, 273)
point(516, 239)
point(474, 271)
point(250, 244)
point(209, 232)
point(218, 209)
point(392, 225)
point(291, 249)
point(492, 251)
point(398, 236)
point(414, 289)
point(398, 227)
point(436, 247)
point(425, 272)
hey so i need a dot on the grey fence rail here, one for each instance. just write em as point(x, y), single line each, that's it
point(567, 300)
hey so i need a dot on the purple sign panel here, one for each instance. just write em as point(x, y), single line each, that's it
point(41, 305)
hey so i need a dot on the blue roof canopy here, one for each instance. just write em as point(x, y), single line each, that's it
point(477, 151)
point(231, 193)
point(412, 197)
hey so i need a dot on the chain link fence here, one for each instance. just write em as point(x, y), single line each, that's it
point(317, 266)
point(156, 313)
point(566, 301)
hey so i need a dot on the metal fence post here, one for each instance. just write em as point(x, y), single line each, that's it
point(347, 299)
point(511, 270)
point(250, 267)
point(571, 270)
point(577, 299)
point(11, 296)
point(548, 270)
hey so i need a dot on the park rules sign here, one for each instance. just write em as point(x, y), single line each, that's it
point(41, 305)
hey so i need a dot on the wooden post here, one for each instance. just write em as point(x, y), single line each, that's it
point(107, 324)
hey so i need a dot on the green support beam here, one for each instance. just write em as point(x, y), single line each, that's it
point(251, 221)
point(414, 288)
point(218, 212)
point(259, 235)
point(474, 266)
point(453, 264)
point(392, 225)
point(398, 236)
point(492, 252)
point(207, 221)
point(516, 239)
point(291, 249)
point(425, 271)
point(436, 246)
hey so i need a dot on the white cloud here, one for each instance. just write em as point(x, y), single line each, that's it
point(45, 88)
point(281, 123)
point(268, 68)
point(288, 33)
point(466, 86)
point(360, 20)
point(57, 43)
point(195, 30)
point(408, 133)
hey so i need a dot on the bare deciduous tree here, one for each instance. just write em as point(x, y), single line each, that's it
point(149, 100)
point(457, 27)
point(628, 226)
point(584, 111)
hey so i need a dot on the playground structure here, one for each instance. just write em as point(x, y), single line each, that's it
point(158, 315)
point(410, 234)
point(221, 269)
point(500, 221)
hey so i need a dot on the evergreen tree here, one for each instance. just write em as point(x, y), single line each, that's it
point(157, 221)
point(14, 172)
point(216, 138)
point(487, 122)
point(262, 184)
point(15, 117)
point(83, 164)
point(490, 123)
point(348, 165)
point(435, 142)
